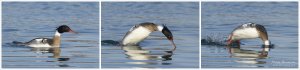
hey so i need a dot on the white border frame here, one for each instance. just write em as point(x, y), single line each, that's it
point(100, 1)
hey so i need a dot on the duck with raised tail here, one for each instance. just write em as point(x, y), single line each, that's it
point(248, 31)
point(47, 42)
point(141, 31)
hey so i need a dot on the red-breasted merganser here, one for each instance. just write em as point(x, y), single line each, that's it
point(139, 32)
point(248, 31)
point(46, 42)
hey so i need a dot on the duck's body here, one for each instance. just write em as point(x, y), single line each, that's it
point(40, 42)
point(248, 31)
point(47, 42)
point(141, 31)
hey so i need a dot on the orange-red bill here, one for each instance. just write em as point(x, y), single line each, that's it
point(229, 42)
point(174, 46)
point(71, 31)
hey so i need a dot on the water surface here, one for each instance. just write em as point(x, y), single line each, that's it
point(23, 21)
point(181, 18)
point(279, 18)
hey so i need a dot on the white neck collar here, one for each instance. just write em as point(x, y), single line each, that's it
point(159, 27)
point(57, 33)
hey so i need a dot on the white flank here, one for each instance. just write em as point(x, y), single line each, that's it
point(38, 43)
point(136, 36)
point(245, 33)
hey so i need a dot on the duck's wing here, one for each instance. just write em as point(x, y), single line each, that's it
point(247, 25)
point(39, 41)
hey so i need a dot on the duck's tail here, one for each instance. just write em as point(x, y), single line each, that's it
point(19, 43)
point(110, 42)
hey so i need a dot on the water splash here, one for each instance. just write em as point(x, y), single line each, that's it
point(214, 39)
point(110, 42)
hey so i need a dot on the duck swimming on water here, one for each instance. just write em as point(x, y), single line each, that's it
point(47, 42)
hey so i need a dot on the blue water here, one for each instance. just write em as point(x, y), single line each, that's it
point(23, 21)
point(182, 18)
point(279, 18)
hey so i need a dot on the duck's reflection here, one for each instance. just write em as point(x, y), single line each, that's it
point(137, 53)
point(249, 56)
point(56, 51)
